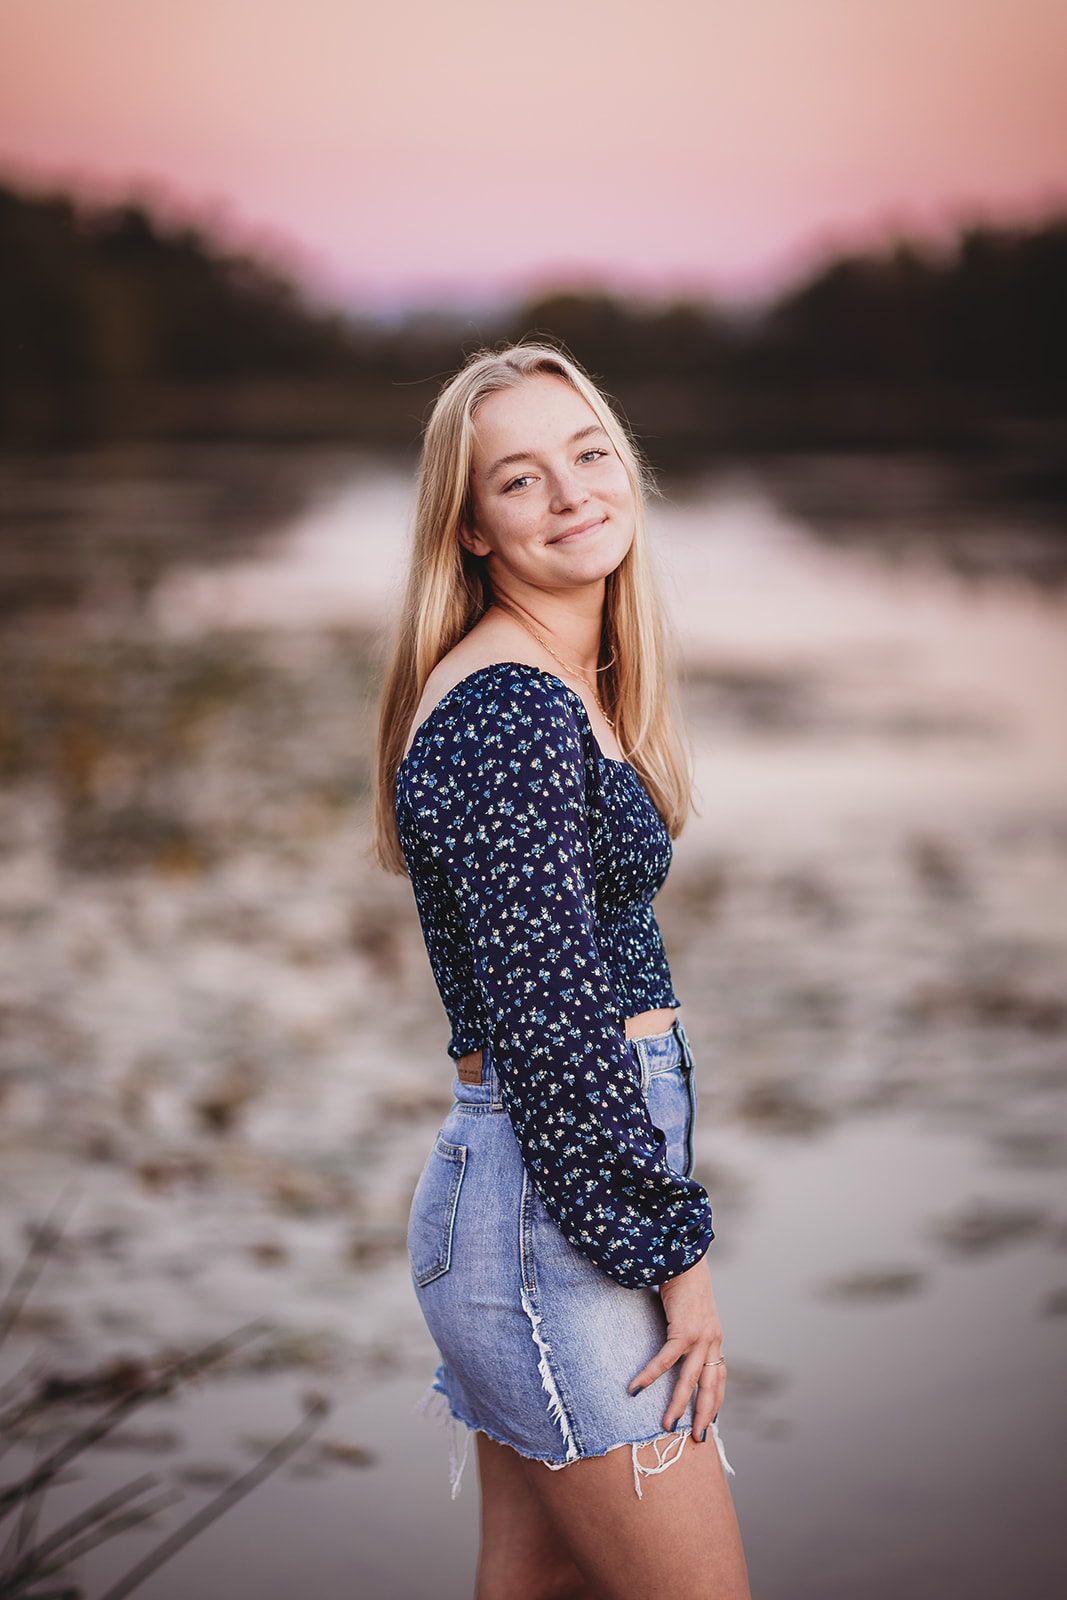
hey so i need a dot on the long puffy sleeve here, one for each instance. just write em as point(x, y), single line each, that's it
point(497, 801)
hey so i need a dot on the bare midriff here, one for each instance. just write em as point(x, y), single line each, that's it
point(639, 1027)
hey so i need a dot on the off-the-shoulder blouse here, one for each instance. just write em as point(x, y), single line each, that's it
point(534, 860)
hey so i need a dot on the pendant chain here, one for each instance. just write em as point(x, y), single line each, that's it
point(577, 672)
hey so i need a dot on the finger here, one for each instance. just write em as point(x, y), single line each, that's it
point(709, 1398)
point(661, 1362)
point(683, 1390)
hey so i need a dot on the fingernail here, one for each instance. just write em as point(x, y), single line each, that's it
point(635, 1392)
point(704, 1436)
point(674, 1424)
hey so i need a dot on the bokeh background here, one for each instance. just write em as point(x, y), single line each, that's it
point(818, 251)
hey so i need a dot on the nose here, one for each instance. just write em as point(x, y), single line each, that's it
point(568, 490)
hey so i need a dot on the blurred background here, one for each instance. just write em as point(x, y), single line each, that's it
point(818, 252)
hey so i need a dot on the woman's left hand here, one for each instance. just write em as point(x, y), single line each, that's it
point(694, 1337)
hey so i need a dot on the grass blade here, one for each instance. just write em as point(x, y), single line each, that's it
point(185, 1368)
point(35, 1569)
point(44, 1241)
point(99, 1512)
point(229, 1497)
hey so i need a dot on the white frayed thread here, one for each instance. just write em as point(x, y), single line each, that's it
point(434, 1405)
point(548, 1382)
point(721, 1448)
point(664, 1459)
point(457, 1460)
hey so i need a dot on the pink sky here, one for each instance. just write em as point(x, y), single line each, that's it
point(435, 150)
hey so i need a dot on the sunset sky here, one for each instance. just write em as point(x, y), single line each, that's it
point(462, 150)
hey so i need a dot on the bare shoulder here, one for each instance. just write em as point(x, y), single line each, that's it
point(490, 642)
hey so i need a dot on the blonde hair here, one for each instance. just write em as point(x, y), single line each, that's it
point(448, 591)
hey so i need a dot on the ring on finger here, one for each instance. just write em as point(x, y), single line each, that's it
point(720, 1363)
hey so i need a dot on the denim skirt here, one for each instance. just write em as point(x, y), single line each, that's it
point(538, 1345)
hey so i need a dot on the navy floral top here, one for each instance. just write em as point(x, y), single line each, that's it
point(534, 860)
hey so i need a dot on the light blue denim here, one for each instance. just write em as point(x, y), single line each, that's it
point(538, 1345)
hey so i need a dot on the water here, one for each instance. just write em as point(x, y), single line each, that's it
point(220, 1028)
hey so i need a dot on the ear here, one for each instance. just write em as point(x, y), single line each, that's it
point(472, 540)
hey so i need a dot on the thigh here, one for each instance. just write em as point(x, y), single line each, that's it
point(679, 1542)
point(523, 1556)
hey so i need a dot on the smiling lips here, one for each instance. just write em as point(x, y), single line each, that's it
point(583, 527)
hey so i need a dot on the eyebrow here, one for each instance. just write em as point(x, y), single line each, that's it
point(526, 455)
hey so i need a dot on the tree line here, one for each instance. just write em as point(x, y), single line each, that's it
point(112, 322)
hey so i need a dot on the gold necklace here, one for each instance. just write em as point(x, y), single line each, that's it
point(577, 672)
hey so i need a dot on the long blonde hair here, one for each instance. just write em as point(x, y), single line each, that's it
point(448, 590)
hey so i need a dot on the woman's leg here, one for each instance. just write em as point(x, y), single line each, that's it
point(679, 1542)
point(522, 1556)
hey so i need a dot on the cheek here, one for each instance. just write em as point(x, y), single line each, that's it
point(623, 503)
point(619, 490)
point(513, 526)
point(495, 523)
point(510, 530)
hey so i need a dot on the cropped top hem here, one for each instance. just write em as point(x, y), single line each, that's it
point(534, 859)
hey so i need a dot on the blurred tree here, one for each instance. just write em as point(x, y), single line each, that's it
point(107, 295)
point(903, 348)
point(994, 310)
point(614, 339)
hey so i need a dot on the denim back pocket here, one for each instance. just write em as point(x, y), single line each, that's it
point(433, 1211)
point(670, 1101)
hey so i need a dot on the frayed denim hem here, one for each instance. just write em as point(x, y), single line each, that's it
point(436, 1405)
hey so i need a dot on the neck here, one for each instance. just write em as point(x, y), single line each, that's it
point(571, 624)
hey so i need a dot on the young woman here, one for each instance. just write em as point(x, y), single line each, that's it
point(529, 782)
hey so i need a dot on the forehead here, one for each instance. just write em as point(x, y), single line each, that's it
point(541, 413)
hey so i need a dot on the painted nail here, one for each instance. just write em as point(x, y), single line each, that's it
point(674, 1424)
point(635, 1392)
point(703, 1436)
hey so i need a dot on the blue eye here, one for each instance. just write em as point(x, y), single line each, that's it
point(516, 482)
point(593, 454)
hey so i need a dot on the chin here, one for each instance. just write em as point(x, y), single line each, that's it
point(613, 559)
point(584, 573)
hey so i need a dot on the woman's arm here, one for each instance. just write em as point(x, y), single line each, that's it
point(498, 798)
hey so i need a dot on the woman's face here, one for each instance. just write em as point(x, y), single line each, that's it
point(553, 506)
